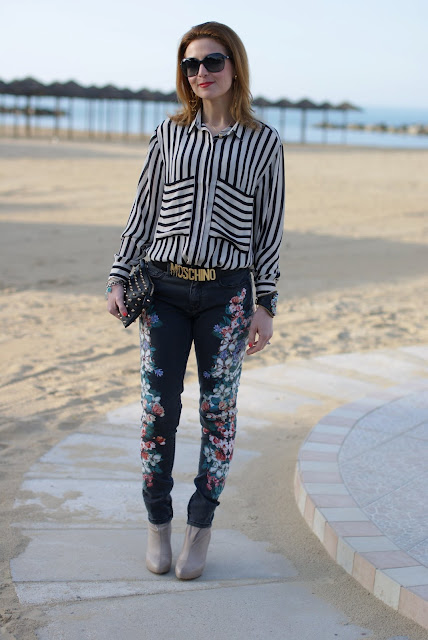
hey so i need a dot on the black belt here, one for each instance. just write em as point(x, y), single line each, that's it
point(190, 272)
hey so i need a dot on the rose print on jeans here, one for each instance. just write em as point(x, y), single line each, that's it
point(150, 401)
point(218, 409)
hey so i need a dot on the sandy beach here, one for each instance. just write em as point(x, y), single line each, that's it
point(353, 277)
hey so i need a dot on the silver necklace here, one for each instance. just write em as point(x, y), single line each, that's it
point(217, 130)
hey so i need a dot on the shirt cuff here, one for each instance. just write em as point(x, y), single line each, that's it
point(269, 302)
point(122, 267)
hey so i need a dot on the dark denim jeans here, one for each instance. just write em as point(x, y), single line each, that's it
point(215, 315)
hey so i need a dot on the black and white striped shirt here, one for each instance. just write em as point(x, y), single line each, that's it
point(209, 201)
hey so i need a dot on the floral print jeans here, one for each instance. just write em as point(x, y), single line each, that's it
point(216, 316)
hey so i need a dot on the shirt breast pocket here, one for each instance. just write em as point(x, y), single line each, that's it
point(176, 209)
point(232, 217)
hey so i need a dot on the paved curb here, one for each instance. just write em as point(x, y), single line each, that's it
point(334, 516)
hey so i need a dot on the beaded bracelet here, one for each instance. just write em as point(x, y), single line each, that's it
point(111, 282)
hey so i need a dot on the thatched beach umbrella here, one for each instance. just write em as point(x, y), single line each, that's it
point(3, 88)
point(27, 87)
point(171, 97)
point(143, 96)
point(325, 106)
point(92, 95)
point(72, 90)
point(304, 105)
point(348, 106)
point(30, 87)
point(3, 91)
point(261, 103)
point(345, 107)
point(55, 90)
point(158, 97)
point(283, 104)
point(127, 95)
point(12, 89)
point(109, 93)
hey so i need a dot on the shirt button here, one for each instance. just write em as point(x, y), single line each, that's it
point(220, 135)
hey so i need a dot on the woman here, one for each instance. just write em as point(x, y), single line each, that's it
point(208, 216)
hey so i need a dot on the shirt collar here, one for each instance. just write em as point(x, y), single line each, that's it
point(197, 122)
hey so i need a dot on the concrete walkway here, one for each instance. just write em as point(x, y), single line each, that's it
point(80, 507)
point(362, 486)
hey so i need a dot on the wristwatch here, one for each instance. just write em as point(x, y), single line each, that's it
point(269, 302)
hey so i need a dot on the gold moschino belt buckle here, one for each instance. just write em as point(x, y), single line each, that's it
point(191, 273)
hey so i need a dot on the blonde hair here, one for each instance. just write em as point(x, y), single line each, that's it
point(241, 109)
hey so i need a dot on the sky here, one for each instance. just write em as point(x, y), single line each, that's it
point(369, 52)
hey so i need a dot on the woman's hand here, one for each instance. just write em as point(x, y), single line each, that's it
point(261, 324)
point(115, 301)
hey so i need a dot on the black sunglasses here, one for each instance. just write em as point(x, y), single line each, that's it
point(214, 62)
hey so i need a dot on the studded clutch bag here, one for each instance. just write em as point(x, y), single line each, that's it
point(138, 293)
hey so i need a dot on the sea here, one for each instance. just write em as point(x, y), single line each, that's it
point(135, 117)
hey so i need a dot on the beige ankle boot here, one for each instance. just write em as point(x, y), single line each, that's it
point(159, 554)
point(191, 561)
